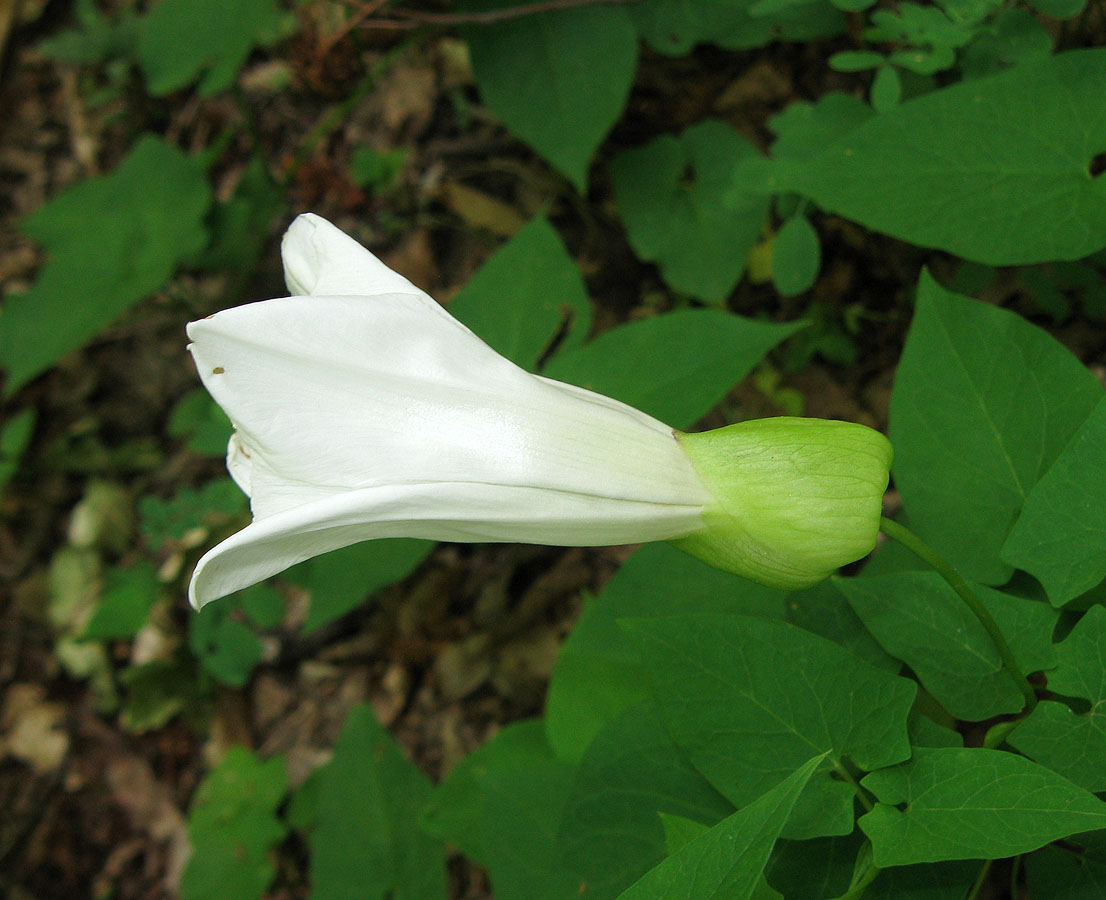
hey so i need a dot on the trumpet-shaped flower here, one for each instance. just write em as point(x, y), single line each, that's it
point(364, 410)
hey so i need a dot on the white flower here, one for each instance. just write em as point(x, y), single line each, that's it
point(364, 410)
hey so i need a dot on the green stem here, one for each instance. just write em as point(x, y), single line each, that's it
point(1015, 868)
point(980, 879)
point(862, 879)
point(861, 794)
point(927, 554)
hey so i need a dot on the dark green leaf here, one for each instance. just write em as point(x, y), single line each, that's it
point(199, 420)
point(225, 647)
point(513, 773)
point(746, 698)
point(1061, 873)
point(983, 404)
point(232, 829)
point(823, 610)
point(927, 881)
point(1001, 177)
point(521, 298)
point(110, 244)
point(674, 198)
point(125, 603)
point(674, 27)
point(804, 129)
point(558, 80)
point(972, 804)
point(817, 868)
point(1060, 536)
point(365, 838)
point(341, 580)
point(180, 40)
point(919, 619)
point(611, 832)
point(674, 367)
point(1054, 735)
point(15, 436)
point(599, 671)
point(727, 862)
point(796, 256)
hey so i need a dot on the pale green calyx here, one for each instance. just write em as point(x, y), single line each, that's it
point(793, 499)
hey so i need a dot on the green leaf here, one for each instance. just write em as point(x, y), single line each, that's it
point(972, 804)
point(166, 521)
point(558, 80)
point(225, 647)
point(158, 690)
point(817, 868)
point(675, 367)
point(983, 404)
point(918, 618)
point(1060, 536)
point(99, 38)
point(856, 60)
point(746, 698)
point(1070, 744)
point(233, 827)
point(501, 806)
point(599, 672)
point(1061, 873)
point(180, 40)
point(1001, 177)
point(201, 423)
point(241, 225)
point(455, 811)
point(927, 881)
point(924, 732)
point(365, 839)
point(1059, 9)
point(886, 89)
point(796, 256)
point(522, 298)
point(1054, 735)
point(803, 130)
point(110, 244)
point(15, 436)
point(128, 596)
point(823, 610)
point(679, 831)
point(727, 861)
point(673, 197)
point(262, 605)
point(610, 833)
point(1014, 36)
point(674, 27)
point(341, 580)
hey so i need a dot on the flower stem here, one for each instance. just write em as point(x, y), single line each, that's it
point(931, 557)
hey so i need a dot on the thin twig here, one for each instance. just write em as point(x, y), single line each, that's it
point(412, 18)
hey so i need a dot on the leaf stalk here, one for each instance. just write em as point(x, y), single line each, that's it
point(956, 581)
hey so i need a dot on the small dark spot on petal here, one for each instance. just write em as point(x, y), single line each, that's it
point(218, 370)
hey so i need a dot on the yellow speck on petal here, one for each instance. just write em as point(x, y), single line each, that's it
point(218, 370)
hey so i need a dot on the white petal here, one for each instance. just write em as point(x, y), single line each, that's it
point(322, 259)
point(442, 511)
point(333, 394)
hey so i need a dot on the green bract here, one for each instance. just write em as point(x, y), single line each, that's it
point(794, 499)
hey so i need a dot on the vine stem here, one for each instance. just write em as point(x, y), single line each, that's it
point(956, 581)
point(973, 892)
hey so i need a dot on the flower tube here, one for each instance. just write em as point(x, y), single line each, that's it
point(363, 410)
